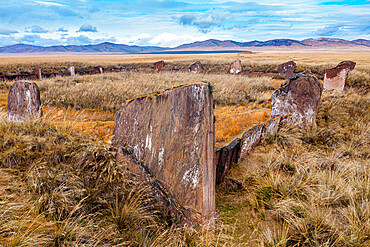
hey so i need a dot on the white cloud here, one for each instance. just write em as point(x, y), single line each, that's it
point(50, 3)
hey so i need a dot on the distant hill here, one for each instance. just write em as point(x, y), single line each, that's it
point(199, 45)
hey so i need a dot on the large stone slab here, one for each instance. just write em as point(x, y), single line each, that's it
point(250, 140)
point(158, 66)
point(72, 71)
point(336, 78)
point(24, 101)
point(236, 67)
point(286, 70)
point(196, 67)
point(172, 133)
point(299, 96)
point(225, 157)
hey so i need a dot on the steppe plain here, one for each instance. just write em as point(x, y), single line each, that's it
point(59, 185)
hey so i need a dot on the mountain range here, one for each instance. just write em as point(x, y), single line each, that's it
point(211, 44)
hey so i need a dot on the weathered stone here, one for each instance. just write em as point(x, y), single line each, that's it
point(100, 69)
point(37, 72)
point(196, 67)
point(286, 70)
point(158, 66)
point(299, 96)
point(24, 101)
point(72, 71)
point(173, 135)
point(335, 78)
point(249, 140)
point(235, 67)
point(225, 157)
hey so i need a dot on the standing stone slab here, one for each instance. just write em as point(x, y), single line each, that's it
point(100, 69)
point(235, 67)
point(286, 70)
point(249, 140)
point(158, 66)
point(335, 78)
point(225, 157)
point(24, 101)
point(196, 67)
point(37, 72)
point(173, 135)
point(299, 96)
point(72, 71)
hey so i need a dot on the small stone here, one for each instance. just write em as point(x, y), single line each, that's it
point(158, 66)
point(235, 67)
point(37, 72)
point(24, 101)
point(286, 70)
point(196, 67)
point(336, 78)
point(72, 71)
point(225, 157)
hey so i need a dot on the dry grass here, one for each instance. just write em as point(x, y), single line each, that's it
point(60, 186)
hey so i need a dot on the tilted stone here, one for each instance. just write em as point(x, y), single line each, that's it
point(286, 70)
point(196, 67)
point(24, 101)
point(72, 71)
point(299, 96)
point(100, 69)
point(158, 66)
point(225, 157)
point(336, 78)
point(249, 140)
point(173, 135)
point(235, 67)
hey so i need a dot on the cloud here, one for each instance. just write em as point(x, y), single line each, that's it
point(64, 11)
point(49, 3)
point(29, 38)
point(5, 31)
point(79, 40)
point(35, 29)
point(205, 22)
point(329, 30)
point(62, 29)
point(94, 10)
point(87, 28)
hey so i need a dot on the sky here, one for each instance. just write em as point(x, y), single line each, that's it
point(169, 23)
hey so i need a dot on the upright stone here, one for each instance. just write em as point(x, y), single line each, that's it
point(196, 67)
point(286, 70)
point(24, 101)
point(172, 134)
point(158, 66)
point(37, 72)
point(225, 157)
point(299, 96)
point(100, 69)
point(335, 78)
point(235, 67)
point(72, 71)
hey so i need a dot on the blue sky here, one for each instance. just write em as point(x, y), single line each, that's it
point(173, 22)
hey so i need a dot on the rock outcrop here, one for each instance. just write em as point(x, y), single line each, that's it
point(299, 96)
point(24, 101)
point(196, 67)
point(336, 78)
point(171, 137)
point(235, 67)
point(158, 66)
point(286, 70)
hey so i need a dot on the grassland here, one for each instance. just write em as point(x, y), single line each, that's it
point(59, 185)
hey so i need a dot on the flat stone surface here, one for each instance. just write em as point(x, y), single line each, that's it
point(173, 135)
point(235, 67)
point(335, 78)
point(196, 67)
point(299, 96)
point(158, 66)
point(24, 101)
point(250, 140)
point(286, 70)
